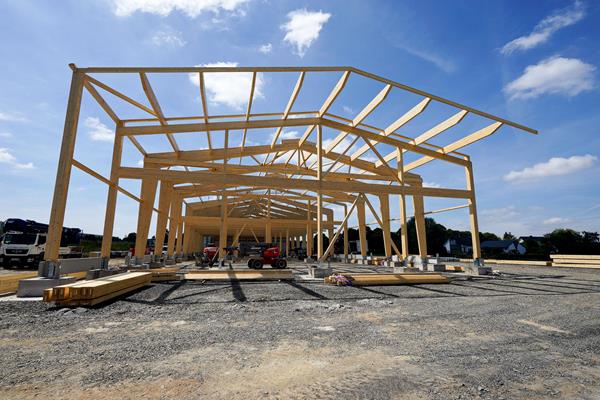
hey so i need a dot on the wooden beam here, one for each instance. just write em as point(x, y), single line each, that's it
point(364, 113)
point(289, 106)
point(63, 173)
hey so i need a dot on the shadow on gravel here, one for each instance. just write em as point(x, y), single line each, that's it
point(237, 291)
point(307, 290)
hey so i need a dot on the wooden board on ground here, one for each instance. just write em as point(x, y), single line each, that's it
point(239, 275)
point(9, 283)
point(575, 256)
point(591, 266)
point(392, 279)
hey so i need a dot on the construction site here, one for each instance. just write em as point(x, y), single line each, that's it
point(243, 281)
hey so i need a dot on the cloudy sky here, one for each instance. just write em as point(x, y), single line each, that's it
point(532, 62)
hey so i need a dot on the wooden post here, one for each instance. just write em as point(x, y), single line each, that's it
point(287, 242)
point(309, 234)
point(403, 226)
point(187, 234)
point(473, 213)
point(147, 195)
point(420, 224)
point(63, 174)
point(345, 234)
point(164, 204)
point(319, 194)
point(223, 230)
point(173, 221)
point(384, 202)
point(362, 228)
point(268, 235)
point(111, 200)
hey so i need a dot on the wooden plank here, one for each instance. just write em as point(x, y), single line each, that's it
point(591, 266)
point(238, 275)
point(575, 256)
point(289, 106)
point(392, 279)
point(10, 282)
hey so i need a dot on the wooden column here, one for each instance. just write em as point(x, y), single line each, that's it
point(174, 216)
point(319, 194)
point(473, 212)
point(420, 225)
point(362, 228)
point(345, 233)
point(384, 202)
point(164, 203)
point(268, 226)
point(287, 243)
point(111, 200)
point(223, 230)
point(187, 234)
point(330, 231)
point(63, 174)
point(147, 195)
point(403, 226)
point(309, 232)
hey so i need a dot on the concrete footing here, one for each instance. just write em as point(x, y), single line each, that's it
point(319, 271)
point(34, 287)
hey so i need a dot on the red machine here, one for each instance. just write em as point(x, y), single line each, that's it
point(211, 254)
point(266, 253)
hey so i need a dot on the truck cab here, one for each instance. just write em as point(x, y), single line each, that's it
point(20, 249)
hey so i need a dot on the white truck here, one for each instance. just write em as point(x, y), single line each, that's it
point(24, 243)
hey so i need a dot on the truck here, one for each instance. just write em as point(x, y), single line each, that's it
point(24, 243)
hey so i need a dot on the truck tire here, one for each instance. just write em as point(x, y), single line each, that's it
point(280, 263)
point(255, 263)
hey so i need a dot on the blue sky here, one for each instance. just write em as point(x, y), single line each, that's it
point(532, 62)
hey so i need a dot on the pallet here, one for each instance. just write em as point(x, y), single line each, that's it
point(240, 275)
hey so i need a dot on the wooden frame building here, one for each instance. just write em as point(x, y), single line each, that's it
point(283, 190)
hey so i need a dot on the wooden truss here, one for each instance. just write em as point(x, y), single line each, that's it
point(274, 191)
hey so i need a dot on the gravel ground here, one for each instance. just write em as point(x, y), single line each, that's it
point(529, 333)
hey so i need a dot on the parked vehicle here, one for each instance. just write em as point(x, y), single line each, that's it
point(24, 243)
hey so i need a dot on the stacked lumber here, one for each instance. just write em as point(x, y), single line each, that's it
point(575, 261)
point(385, 279)
point(455, 268)
point(240, 274)
point(9, 283)
point(93, 292)
point(162, 274)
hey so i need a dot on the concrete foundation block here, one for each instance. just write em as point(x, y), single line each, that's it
point(436, 267)
point(34, 287)
point(319, 272)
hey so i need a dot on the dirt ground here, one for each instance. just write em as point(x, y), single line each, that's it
point(529, 333)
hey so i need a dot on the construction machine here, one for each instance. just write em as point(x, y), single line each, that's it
point(266, 253)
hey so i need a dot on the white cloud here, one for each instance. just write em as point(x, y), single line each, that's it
point(555, 166)
point(554, 75)
point(98, 131)
point(431, 185)
point(347, 110)
point(341, 146)
point(231, 89)
point(192, 8)
point(8, 117)
point(546, 27)
point(289, 135)
point(266, 48)
point(6, 135)
point(555, 221)
point(6, 157)
point(303, 28)
point(441, 62)
point(168, 37)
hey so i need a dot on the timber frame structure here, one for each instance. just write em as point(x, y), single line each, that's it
point(279, 190)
